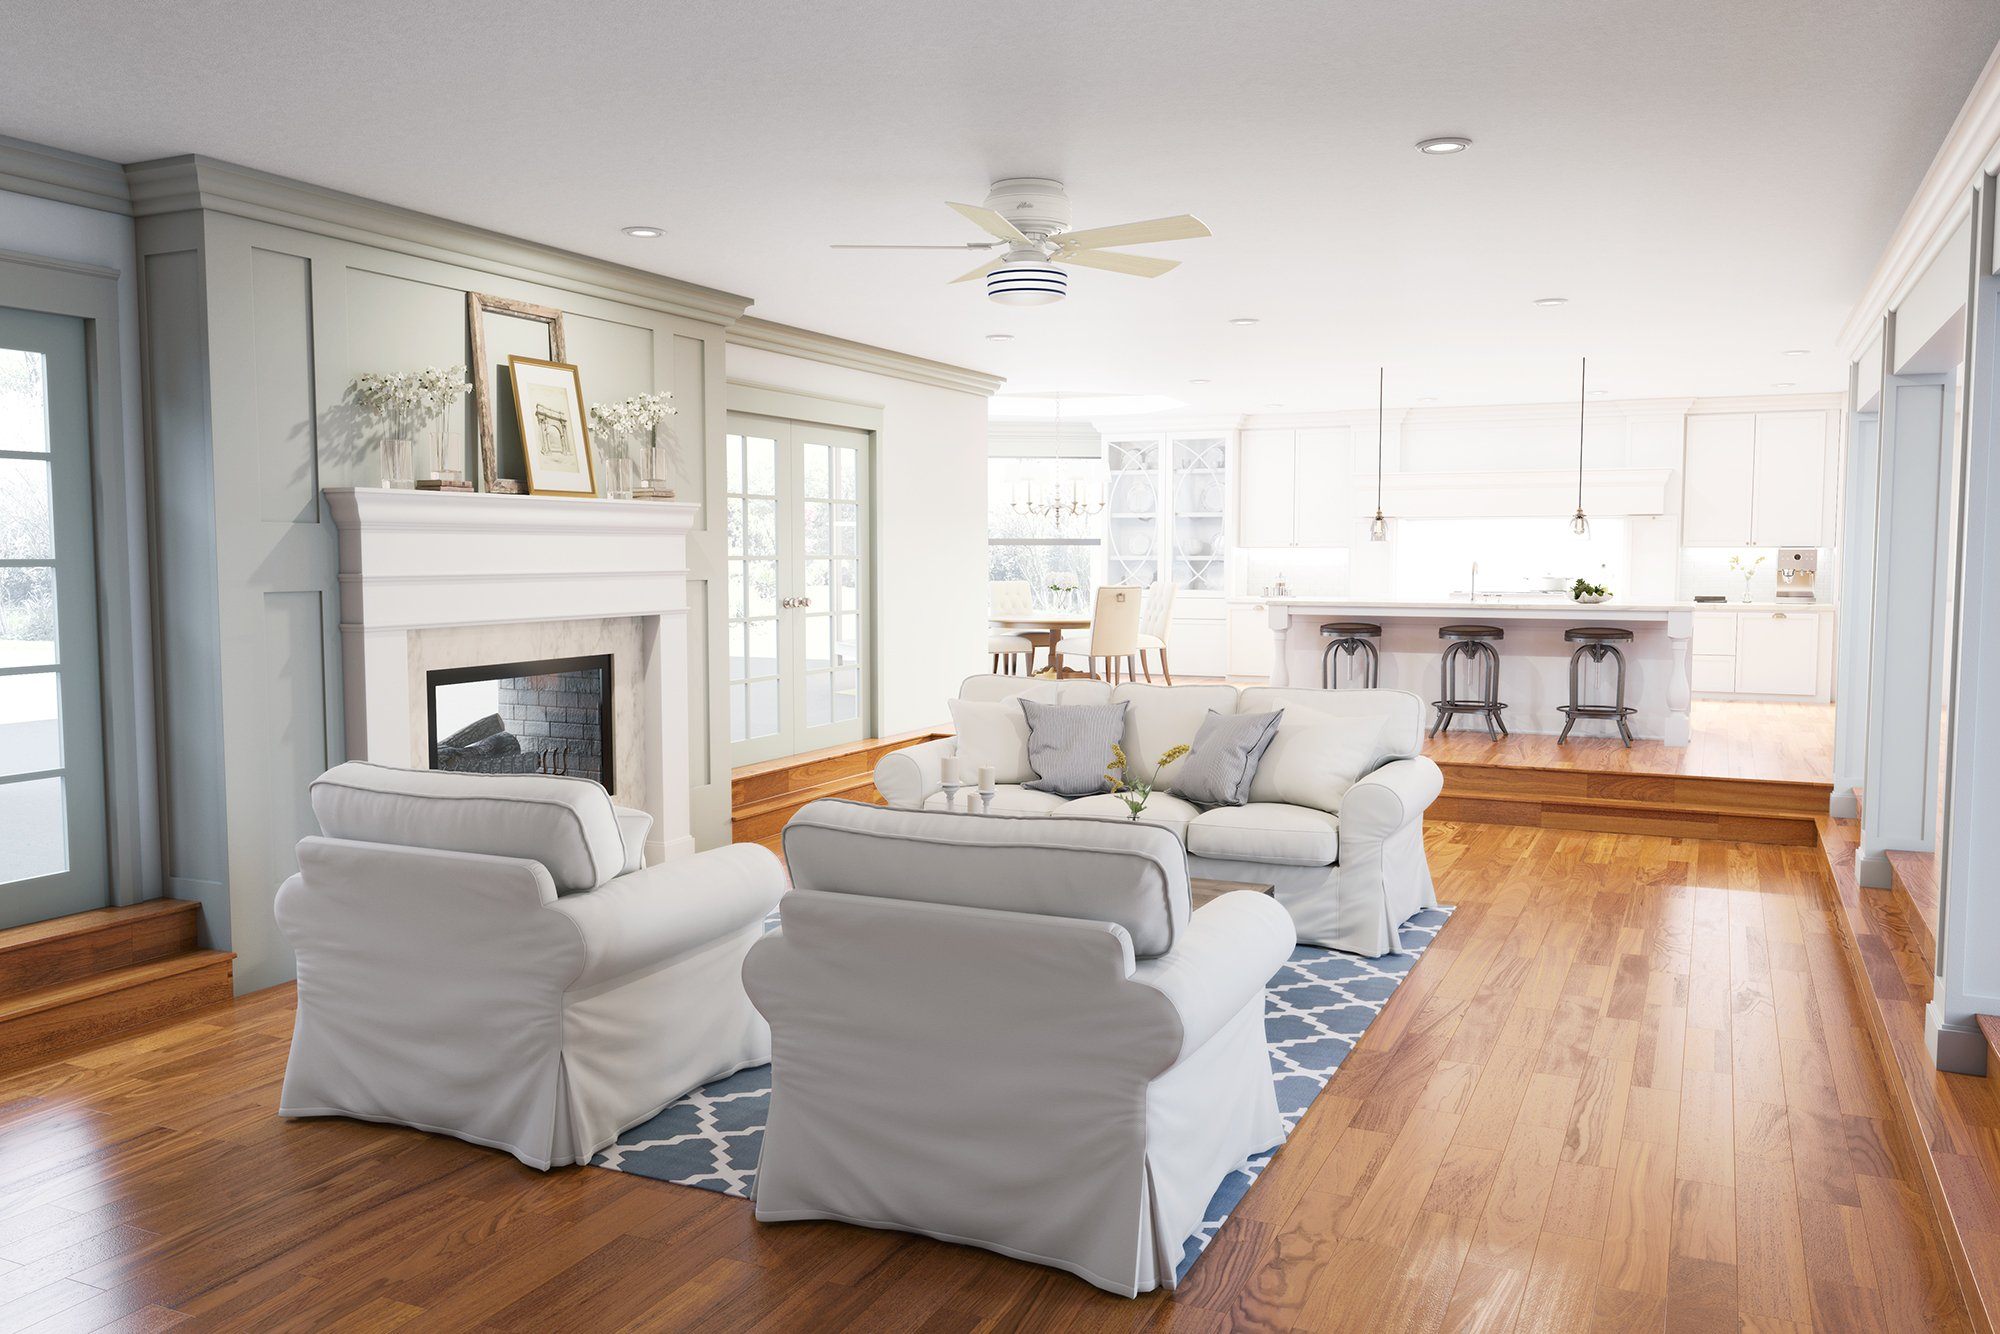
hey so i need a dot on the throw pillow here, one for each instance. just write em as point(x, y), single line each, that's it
point(994, 733)
point(1069, 746)
point(1314, 763)
point(1227, 751)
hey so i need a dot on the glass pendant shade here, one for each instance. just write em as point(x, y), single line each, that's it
point(1378, 531)
point(1580, 525)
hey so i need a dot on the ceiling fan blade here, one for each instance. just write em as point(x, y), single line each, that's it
point(1139, 266)
point(962, 245)
point(992, 223)
point(1181, 227)
point(979, 272)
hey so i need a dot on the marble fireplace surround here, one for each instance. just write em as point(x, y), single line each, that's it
point(441, 579)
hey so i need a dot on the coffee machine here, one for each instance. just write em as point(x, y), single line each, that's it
point(1797, 570)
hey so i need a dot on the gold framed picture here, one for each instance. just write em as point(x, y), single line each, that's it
point(555, 436)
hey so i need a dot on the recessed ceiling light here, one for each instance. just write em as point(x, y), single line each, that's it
point(1241, 320)
point(1443, 146)
point(1599, 393)
point(1781, 384)
point(1197, 382)
point(1552, 301)
point(1428, 398)
point(999, 338)
point(1798, 351)
point(645, 233)
point(1274, 405)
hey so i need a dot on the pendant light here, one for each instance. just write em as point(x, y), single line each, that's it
point(1580, 525)
point(1378, 531)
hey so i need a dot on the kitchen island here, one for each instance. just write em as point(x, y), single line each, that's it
point(1534, 658)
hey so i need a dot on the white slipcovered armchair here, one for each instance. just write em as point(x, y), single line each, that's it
point(487, 956)
point(1012, 1033)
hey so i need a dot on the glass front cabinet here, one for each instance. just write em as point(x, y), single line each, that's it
point(1167, 507)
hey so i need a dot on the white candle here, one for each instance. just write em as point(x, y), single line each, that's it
point(948, 769)
point(987, 773)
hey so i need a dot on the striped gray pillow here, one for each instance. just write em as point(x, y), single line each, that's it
point(1069, 745)
point(1227, 749)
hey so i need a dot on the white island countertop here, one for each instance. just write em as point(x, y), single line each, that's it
point(1554, 605)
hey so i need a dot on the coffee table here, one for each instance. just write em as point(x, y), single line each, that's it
point(1203, 891)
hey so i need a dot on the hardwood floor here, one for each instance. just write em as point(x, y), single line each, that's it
point(1628, 1088)
point(1731, 739)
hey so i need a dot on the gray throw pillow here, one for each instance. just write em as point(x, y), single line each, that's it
point(1227, 748)
point(1069, 746)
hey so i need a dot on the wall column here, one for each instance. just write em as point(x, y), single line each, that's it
point(1905, 667)
point(1968, 953)
point(1857, 592)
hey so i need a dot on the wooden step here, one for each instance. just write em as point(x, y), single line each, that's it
point(763, 821)
point(1670, 790)
point(64, 949)
point(1604, 816)
point(797, 773)
point(53, 1021)
point(1913, 876)
point(1989, 1028)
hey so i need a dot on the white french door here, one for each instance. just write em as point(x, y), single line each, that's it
point(52, 832)
point(798, 585)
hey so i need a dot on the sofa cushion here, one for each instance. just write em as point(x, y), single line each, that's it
point(1227, 751)
point(1266, 831)
point(1313, 762)
point(566, 824)
point(1070, 745)
point(1008, 799)
point(1163, 809)
point(1133, 875)
point(992, 732)
point(1401, 713)
point(1162, 717)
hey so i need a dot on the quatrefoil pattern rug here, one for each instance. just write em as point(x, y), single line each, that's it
point(1316, 1008)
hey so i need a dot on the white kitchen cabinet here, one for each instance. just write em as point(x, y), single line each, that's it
point(1265, 507)
point(1293, 488)
point(1756, 479)
point(1788, 491)
point(1721, 467)
point(1167, 510)
point(1250, 642)
point(1714, 674)
point(1777, 653)
point(1198, 635)
point(1715, 633)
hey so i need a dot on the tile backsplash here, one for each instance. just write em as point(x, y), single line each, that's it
point(1706, 571)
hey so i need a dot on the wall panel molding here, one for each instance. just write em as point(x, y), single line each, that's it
point(825, 348)
point(67, 178)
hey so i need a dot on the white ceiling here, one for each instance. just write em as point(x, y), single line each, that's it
point(1708, 181)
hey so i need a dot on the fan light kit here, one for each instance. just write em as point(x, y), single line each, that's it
point(645, 233)
point(1444, 146)
point(1552, 301)
point(1029, 215)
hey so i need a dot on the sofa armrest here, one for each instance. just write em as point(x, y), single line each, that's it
point(907, 777)
point(1390, 798)
point(1230, 949)
point(633, 826)
point(650, 916)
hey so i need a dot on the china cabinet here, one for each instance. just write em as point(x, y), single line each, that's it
point(1166, 517)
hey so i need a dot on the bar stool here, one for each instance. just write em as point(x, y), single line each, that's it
point(1597, 641)
point(1351, 638)
point(1474, 644)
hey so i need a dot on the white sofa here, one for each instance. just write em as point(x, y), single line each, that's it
point(487, 956)
point(1346, 861)
point(1012, 1034)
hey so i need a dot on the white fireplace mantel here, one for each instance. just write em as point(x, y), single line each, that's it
point(418, 560)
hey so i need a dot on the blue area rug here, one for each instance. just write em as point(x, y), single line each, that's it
point(1316, 1007)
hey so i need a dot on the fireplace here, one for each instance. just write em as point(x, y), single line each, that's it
point(552, 717)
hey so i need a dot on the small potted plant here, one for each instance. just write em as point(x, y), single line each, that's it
point(1588, 593)
point(410, 402)
point(1136, 795)
point(1063, 591)
point(624, 424)
point(1746, 568)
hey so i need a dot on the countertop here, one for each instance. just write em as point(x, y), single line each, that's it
point(1422, 607)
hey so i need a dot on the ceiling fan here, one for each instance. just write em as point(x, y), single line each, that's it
point(1029, 215)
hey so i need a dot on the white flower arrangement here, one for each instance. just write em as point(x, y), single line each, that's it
point(634, 415)
point(420, 396)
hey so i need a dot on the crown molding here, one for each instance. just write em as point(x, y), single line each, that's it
point(767, 336)
point(192, 182)
point(1969, 151)
point(67, 178)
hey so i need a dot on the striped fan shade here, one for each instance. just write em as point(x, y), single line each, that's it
point(1026, 284)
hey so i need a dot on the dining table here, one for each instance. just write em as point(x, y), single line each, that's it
point(1042, 629)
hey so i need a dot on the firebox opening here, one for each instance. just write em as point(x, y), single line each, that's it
point(547, 717)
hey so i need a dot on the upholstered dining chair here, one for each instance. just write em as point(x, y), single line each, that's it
point(1154, 618)
point(1113, 636)
point(1017, 652)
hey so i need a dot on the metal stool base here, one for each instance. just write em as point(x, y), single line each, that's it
point(1574, 710)
point(1487, 705)
point(1354, 647)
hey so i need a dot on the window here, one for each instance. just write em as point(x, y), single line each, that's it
point(1040, 548)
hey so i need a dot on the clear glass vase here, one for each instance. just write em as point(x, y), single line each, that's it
point(397, 459)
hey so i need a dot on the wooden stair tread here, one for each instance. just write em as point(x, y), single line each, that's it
point(112, 980)
point(792, 800)
point(96, 919)
point(1989, 1028)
